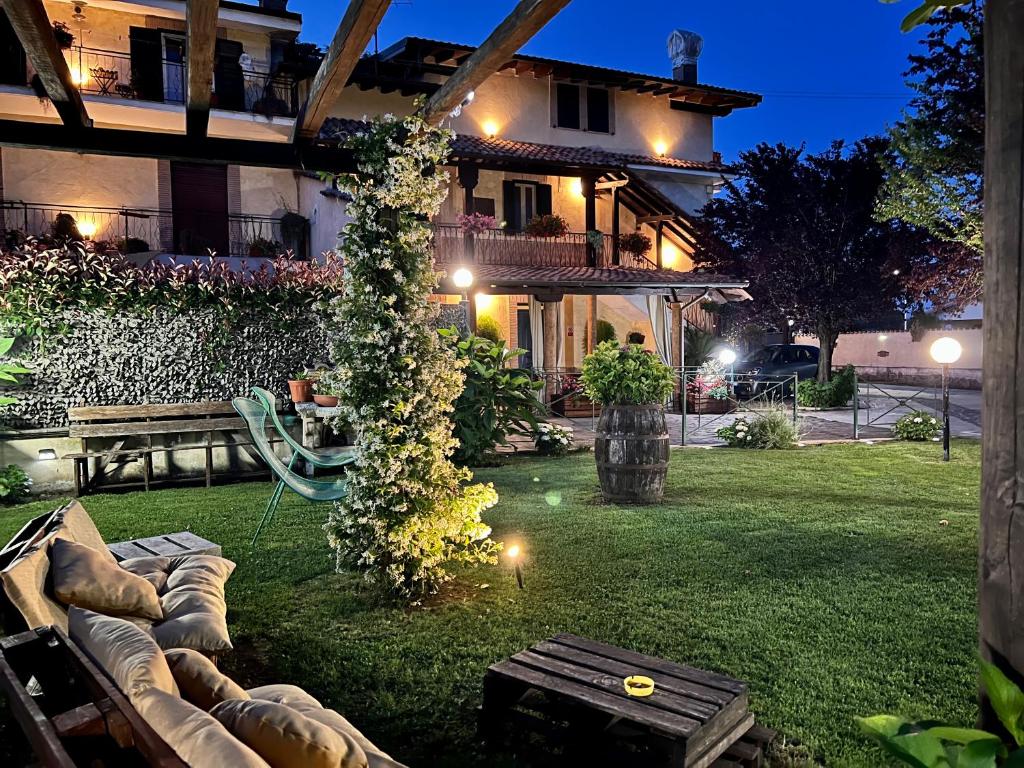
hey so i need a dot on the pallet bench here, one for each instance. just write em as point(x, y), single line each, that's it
point(168, 545)
point(140, 423)
point(572, 691)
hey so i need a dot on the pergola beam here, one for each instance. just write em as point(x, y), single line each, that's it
point(32, 26)
point(361, 19)
point(200, 40)
point(526, 19)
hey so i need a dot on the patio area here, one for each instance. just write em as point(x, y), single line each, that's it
point(783, 569)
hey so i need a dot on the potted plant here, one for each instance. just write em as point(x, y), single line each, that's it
point(636, 244)
point(476, 223)
point(322, 391)
point(62, 34)
point(570, 399)
point(264, 247)
point(708, 391)
point(631, 445)
point(548, 225)
point(300, 387)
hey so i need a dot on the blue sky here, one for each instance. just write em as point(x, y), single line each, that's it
point(827, 68)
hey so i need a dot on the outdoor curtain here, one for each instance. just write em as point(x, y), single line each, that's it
point(537, 333)
point(661, 326)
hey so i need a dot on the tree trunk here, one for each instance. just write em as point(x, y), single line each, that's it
point(827, 339)
point(1001, 557)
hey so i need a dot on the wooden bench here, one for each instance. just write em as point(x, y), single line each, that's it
point(571, 690)
point(128, 424)
point(169, 545)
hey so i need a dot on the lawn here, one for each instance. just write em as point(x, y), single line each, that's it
point(837, 581)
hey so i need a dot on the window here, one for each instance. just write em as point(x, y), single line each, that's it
point(587, 108)
point(568, 106)
point(484, 205)
point(524, 200)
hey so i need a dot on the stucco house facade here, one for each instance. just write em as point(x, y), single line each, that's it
point(610, 152)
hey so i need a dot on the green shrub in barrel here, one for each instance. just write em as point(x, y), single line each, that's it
point(631, 446)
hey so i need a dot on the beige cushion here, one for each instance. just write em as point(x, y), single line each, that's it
point(127, 653)
point(286, 738)
point(195, 736)
point(206, 632)
point(84, 578)
point(25, 584)
point(199, 681)
point(152, 569)
point(80, 528)
point(296, 698)
point(205, 573)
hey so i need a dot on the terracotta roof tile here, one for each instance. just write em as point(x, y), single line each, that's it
point(512, 275)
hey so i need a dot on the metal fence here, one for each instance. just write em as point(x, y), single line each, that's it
point(706, 403)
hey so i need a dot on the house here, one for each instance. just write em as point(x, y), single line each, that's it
point(610, 152)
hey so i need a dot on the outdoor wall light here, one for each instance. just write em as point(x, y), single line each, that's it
point(78, 77)
point(47, 454)
point(484, 301)
point(882, 337)
point(895, 272)
point(490, 128)
point(87, 229)
point(945, 352)
point(462, 278)
point(661, 148)
point(576, 185)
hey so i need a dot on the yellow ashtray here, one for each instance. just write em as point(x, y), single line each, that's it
point(638, 685)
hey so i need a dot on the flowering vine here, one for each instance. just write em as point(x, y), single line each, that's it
point(409, 513)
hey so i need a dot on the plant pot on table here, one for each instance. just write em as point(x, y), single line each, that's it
point(301, 390)
point(326, 401)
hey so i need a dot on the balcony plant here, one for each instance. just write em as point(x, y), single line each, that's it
point(631, 446)
point(635, 244)
point(476, 223)
point(63, 35)
point(264, 247)
point(548, 225)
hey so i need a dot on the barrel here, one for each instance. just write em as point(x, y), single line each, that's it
point(631, 448)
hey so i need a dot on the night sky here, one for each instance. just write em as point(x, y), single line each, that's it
point(827, 68)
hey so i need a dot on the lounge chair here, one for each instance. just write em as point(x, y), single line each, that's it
point(320, 457)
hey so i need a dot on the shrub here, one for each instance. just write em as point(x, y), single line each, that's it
point(917, 425)
point(9, 371)
point(409, 514)
point(497, 400)
point(605, 332)
point(15, 485)
point(476, 223)
point(709, 381)
point(548, 225)
point(811, 393)
point(771, 429)
point(489, 328)
point(626, 375)
point(552, 439)
point(698, 346)
point(635, 243)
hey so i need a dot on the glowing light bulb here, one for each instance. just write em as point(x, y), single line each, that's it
point(513, 552)
point(576, 185)
point(490, 128)
point(87, 229)
point(462, 278)
point(946, 350)
point(484, 301)
point(660, 148)
point(727, 356)
point(78, 77)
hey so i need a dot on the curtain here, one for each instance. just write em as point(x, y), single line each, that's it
point(560, 334)
point(661, 326)
point(537, 332)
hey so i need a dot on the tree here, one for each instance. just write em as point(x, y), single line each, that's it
point(409, 513)
point(802, 229)
point(935, 166)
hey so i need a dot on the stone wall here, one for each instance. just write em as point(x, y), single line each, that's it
point(158, 357)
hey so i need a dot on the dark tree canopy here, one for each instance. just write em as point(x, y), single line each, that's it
point(802, 229)
point(935, 167)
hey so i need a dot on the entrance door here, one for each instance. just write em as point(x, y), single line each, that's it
point(174, 68)
point(199, 203)
point(525, 337)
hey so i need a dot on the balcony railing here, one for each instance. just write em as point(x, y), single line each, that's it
point(109, 73)
point(501, 247)
point(137, 230)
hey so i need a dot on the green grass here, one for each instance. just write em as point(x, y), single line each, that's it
point(821, 576)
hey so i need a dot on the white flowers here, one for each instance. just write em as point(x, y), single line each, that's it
point(552, 439)
point(918, 420)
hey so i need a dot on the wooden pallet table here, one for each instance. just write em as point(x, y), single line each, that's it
point(572, 691)
point(167, 545)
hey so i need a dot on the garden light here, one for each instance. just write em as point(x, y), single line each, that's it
point(47, 454)
point(513, 553)
point(727, 356)
point(462, 278)
point(945, 351)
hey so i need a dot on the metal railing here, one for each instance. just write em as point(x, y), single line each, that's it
point(879, 405)
point(453, 245)
point(110, 73)
point(137, 230)
point(708, 403)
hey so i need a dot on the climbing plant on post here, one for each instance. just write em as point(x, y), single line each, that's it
point(409, 513)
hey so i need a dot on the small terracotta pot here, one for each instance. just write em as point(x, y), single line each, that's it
point(325, 401)
point(301, 390)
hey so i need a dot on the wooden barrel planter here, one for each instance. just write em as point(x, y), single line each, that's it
point(631, 448)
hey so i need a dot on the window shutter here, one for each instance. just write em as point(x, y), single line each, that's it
point(567, 105)
point(543, 199)
point(228, 80)
point(508, 200)
point(147, 63)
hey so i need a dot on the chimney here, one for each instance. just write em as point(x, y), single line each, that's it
point(274, 5)
point(684, 49)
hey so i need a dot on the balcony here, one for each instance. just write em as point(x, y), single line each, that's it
point(501, 247)
point(111, 73)
point(146, 230)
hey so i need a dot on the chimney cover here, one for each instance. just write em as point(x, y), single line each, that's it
point(684, 48)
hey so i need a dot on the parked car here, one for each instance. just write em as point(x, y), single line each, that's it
point(775, 366)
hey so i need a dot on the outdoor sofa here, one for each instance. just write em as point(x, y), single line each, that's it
point(164, 694)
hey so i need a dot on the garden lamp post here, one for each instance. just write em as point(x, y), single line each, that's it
point(945, 352)
point(727, 356)
point(513, 553)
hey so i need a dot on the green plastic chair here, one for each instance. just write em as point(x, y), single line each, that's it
point(321, 457)
point(312, 490)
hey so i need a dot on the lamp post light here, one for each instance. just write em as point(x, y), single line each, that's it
point(945, 352)
point(727, 356)
point(462, 279)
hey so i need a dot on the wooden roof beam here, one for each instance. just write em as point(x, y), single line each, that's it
point(526, 19)
point(200, 39)
point(32, 26)
point(361, 19)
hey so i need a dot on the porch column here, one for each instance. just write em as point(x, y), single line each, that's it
point(589, 185)
point(591, 323)
point(657, 241)
point(469, 177)
point(615, 225)
point(471, 311)
point(550, 319)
